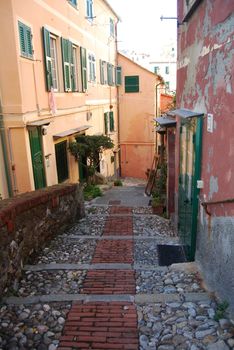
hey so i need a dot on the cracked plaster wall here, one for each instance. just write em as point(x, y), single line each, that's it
point(206, 84)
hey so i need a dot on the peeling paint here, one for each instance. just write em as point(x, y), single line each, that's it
point(214, 188)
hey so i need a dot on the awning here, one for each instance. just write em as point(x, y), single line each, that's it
point(184, 113)
point(71, 132)
point(40, 122)
point(166, 121)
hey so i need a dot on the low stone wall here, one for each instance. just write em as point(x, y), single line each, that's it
point(29, 220)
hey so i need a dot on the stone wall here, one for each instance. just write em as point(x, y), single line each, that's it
point(29, 220)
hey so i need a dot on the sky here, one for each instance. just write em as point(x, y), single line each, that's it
point(141, 29)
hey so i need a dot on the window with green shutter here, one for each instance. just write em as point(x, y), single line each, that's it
point(111, 121)
point(89, 9)
point(106, 123)
point(132, 83)
point(118, 75)
point(112, 27)
point(51, 60)
point(25, 39)
point(67, 56)
point(83, 59)
point(110, 79)
point(73, 2)
point(61, 161)
point(102, 72)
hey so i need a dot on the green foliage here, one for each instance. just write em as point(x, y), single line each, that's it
point(90, 148)
point(221, 310)
point(118, 182)
point(91, 191)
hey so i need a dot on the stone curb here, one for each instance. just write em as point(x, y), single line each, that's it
point(98, 266)
point(138, 299)
point(113, 238)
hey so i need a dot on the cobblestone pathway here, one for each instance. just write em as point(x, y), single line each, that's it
point(99, 286)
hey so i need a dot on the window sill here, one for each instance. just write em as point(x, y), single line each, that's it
point(27, 57)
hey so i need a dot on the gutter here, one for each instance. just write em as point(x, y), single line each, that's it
point(5, 157)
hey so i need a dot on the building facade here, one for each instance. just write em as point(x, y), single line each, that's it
point(137, 108)
point(57, 80)
point(205, 140)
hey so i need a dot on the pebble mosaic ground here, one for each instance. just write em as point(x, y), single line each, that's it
point(99, 286)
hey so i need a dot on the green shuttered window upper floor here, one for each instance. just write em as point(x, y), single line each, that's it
point(132, 83)
point(25, 40)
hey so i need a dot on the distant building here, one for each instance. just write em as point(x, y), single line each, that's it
point(58, 78)
point(137, 108)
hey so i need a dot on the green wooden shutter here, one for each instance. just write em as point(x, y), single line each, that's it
point(25, 38)
point(66, 54)
point(101, 72)
point(22, 39)
point(111, 120)
point(47, 54)
point(61, 161)
point(28, 35)
point(106, 123)
point(73, 69)
point(83, 68)
point(118, 75)
point(132, 83)
point(109, 74)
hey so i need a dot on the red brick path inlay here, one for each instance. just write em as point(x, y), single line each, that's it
point(118, 226)
point(109, 282)
point(113, 251)
point(106, 325)
point(120, 210)
point(100, 325)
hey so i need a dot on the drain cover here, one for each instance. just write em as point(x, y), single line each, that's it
point(170, 254)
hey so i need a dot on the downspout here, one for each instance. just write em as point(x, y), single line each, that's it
point(4, 149)
point(156, 143)
point(118, 113)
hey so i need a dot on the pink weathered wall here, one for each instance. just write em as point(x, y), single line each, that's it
point(205, 84)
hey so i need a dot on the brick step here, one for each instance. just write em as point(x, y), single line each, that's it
point(120, 210)
point(113, 251)
point(109, 282)
point(119, 226)
point(100, 325)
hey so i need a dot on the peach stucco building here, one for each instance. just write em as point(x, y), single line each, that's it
point(58, 77)
point(137, 108)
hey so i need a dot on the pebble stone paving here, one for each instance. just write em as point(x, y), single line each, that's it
point(183, 321)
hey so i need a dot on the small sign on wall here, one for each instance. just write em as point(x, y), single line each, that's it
point(210, 122)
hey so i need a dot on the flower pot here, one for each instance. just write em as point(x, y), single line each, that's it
point(157, 209)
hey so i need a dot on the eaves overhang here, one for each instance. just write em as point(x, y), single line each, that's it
point(166, 122)
point(70, 132)
point(185, 113)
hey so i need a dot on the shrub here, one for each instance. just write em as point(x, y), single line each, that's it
point(91, 191)
point(118, 182)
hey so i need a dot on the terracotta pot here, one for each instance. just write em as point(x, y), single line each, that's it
point(158, 209)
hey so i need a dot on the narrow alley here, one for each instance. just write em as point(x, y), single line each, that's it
point(99, 286)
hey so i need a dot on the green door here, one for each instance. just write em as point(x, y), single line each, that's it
point(82, 168)
point(190, 165)
point(37, 157)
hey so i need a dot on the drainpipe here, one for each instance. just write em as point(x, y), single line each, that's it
point(162, 141)
point(5, 158)
point(118, 114)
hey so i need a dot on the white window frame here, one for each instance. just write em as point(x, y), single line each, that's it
point(54, 59)
point(92, 67)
